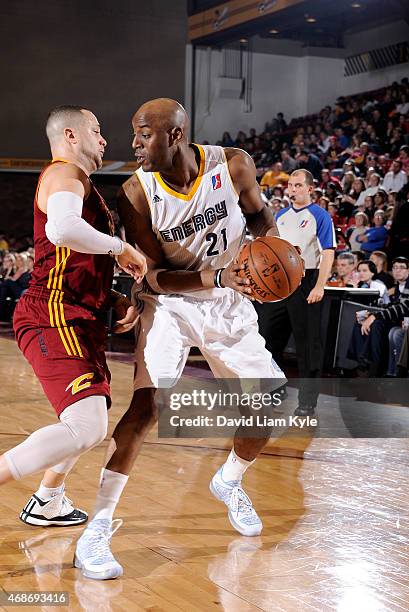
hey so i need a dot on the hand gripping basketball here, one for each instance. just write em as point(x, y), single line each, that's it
point(273, 267)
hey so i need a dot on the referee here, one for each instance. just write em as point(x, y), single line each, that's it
point(309, 227)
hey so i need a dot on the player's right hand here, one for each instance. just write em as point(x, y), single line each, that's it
point(132, 262)
point(231, 278)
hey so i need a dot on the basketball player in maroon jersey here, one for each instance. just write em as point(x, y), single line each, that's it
point(57, 323)
point(186, 207)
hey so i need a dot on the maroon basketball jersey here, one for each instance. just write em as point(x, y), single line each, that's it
point(74, 284)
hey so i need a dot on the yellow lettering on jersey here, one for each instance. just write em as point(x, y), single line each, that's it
point(81, 382)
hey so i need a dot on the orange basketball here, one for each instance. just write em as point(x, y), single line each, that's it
point(273, 266)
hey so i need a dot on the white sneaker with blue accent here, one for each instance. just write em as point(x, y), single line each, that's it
point(241, 513)
point(93, 555)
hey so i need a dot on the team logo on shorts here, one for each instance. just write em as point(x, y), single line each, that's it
point(80, 383)
point(216, 181)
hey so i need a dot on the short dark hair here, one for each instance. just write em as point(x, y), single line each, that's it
point(309, 179)
point(401, 259)
point(370, 264)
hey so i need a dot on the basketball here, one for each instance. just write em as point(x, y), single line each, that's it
point(273, 266)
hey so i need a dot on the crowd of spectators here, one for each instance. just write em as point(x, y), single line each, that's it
point(358, 154)
point(15, 273)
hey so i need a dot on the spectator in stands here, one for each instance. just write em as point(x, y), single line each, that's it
point(327, 178)
point(380, 200)
point(288, 163)
point(331, 191)
point(4, 245)
point(359, 228)
point(381, 262)
point(240, 139)
point(333, 211)
point(345, 275)
point(323, 201)
point(369, 206)
point(309, 161)
point(358, 187)
point(333, 152)
point(369, 338)
point(276, 204)
point(395, 179)
point(372, 188)
point(8, 266)
point(378, 124)
point(404, 157)
point(274, 177)
point(403, 106)
point(374, 238)
point(392, 199)
point(347, 180)
point(227, 140)
point(14, 284)
point(279, 124)
point(366, 280)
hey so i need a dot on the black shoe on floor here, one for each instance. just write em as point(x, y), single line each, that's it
point(304, 411)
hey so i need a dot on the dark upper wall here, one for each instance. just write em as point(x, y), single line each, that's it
point(109, 55)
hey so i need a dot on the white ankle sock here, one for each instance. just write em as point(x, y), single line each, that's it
point(110, 489)
point(235, 467)
point(45, 493)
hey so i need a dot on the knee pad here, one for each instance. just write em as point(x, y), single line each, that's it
point(87, 421)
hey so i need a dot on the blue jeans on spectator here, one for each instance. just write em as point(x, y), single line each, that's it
point(369, 351)
point(395, 338)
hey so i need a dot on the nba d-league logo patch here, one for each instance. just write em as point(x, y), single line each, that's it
point(216, 181)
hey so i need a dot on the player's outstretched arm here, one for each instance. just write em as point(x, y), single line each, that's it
point(61, 199)
point(259, 218)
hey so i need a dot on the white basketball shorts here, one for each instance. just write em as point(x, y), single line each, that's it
point(225, 329)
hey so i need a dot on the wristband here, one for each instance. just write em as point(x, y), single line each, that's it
point(217, 279)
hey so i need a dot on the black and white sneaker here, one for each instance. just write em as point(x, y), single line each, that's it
point(57, 511)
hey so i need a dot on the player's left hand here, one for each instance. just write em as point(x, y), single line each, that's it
point(128, 321)
point(316, 294)
point(126, 314)
point(366, 325)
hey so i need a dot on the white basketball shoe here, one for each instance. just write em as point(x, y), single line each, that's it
point(93, 555)
point(241, 513)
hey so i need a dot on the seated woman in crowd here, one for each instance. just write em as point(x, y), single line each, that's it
point(8, 266)
point(374, 238)
point(380, 199)
point(360, 226)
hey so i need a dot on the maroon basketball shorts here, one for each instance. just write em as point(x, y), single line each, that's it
point(68, 359)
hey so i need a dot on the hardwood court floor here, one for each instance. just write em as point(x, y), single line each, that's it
point(335, 518)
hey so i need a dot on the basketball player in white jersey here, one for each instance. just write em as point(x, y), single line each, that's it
point(186, 208)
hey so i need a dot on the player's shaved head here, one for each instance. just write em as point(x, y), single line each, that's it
point(162, 113)
point(63, 117)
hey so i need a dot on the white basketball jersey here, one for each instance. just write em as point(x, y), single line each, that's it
point(204, 228)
